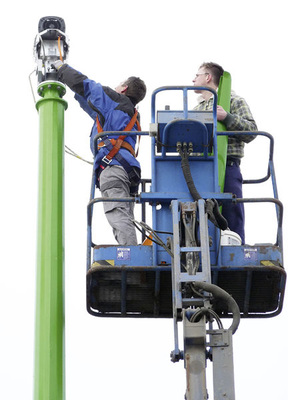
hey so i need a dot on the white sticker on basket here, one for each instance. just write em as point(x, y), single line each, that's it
point(123, 253)
point(250, 254)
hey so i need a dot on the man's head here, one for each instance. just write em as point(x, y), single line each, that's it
point(208, 75)
point(134, 88)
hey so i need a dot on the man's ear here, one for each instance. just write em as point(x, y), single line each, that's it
point(124, 89)
point(208, 78)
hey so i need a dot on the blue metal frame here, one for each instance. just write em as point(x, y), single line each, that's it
point(251, 266)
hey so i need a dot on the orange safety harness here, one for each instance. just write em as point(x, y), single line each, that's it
point(120, 142)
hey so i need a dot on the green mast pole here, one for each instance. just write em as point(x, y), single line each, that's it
point(49, 381)
point(224, 96)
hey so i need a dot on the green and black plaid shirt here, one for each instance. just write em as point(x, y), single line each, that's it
point(239, 119)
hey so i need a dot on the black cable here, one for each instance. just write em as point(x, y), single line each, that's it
point(148, 237)
point(217, 292)
point(211, 205)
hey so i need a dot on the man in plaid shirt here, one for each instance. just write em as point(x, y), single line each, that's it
point(238, 119)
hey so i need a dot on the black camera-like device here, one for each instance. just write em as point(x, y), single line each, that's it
point(51, 44)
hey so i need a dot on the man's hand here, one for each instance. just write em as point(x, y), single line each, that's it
point(221, 113)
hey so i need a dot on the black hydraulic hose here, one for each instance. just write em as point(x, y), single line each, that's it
point(212, 207)
point(188, 177)
point(218, 292)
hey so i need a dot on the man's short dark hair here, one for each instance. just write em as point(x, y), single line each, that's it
point(215, 70)
point(136, 89)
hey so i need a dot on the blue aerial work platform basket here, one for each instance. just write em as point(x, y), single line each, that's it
point(137, 281)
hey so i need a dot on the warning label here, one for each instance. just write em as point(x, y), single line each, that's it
point(250, 254)
point(123, 253)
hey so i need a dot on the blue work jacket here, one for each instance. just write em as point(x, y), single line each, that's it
point(114, 111)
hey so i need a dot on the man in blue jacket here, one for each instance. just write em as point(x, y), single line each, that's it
point(116, 167)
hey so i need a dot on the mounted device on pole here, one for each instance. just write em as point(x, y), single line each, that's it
point(50, 45)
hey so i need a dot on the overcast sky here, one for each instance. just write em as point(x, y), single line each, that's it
point(163, 42)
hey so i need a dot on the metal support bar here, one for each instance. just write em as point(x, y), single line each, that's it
point(204, 240)
point(195, 358)
point(176, 283)
point(179, 277)
point(194, 319)
point(222, 357)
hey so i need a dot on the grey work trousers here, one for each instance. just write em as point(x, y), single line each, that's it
point(114, 183)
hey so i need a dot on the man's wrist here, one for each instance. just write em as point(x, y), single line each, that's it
point(228, 120)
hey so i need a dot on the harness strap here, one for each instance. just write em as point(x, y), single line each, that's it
point(99, 127)
point(139, 139)
point(118, 143)
point(125, 145)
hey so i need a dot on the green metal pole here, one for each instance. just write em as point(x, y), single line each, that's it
point(49, 380)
